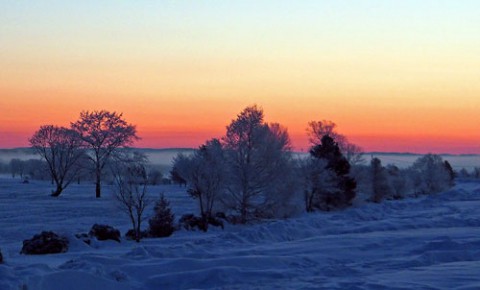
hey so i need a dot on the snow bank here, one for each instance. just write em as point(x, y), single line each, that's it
point(432, 242)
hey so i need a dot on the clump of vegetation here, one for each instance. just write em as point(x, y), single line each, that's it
point(104, 232)
point(162, 222)
point(45, 243)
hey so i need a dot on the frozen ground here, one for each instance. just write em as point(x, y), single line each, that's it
point(426, 243)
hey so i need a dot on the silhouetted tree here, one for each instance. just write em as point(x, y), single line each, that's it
point(103, 132)
point(317, 129)
point(344, 192)
point(61, 149)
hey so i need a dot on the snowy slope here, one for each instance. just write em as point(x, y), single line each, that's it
point(426, 243)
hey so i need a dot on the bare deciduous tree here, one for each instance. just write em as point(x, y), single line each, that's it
point(130, 188)
point(61, 149)
point(103, 132)
point(205, 175)
point(317, 129)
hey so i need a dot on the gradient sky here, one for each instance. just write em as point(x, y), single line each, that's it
point(393, 75)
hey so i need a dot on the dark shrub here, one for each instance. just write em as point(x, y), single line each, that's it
point(191, 222)
point(130, 234)
point(161, 224)
point(216, 222)
point(45, 243)
point(105, 232)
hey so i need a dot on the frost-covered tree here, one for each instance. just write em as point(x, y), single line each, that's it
point(162, 223)
point(130, 187)
point(344, 191)
point(317, 181)
point(430, 174)
point(399, 181)
point(61, 149)
point(206, 176)
point(259, 162)
point(103, 132)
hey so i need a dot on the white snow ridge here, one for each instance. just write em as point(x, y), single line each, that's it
point(431, 242)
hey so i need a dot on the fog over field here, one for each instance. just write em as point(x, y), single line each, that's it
point(164, 157)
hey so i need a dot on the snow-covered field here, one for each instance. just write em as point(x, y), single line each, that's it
point(432, 242)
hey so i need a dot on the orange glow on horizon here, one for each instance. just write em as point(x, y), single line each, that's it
point(401, 76)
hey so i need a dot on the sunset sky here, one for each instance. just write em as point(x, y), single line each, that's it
point(394, 75)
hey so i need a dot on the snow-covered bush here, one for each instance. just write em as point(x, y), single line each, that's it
point(162, 222)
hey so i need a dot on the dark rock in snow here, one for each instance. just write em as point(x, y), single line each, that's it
point(1, 258)
point(105, 232)
point(45, 243)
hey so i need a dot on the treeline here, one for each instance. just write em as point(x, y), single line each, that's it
point(251, 173)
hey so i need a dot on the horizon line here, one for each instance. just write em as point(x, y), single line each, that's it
point(294, 151)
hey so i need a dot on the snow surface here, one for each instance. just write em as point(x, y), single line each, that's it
point(432, 242)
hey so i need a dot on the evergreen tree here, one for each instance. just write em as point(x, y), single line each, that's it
point(344, 192)
point(161, 224)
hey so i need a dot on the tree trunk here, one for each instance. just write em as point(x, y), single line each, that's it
point(58, 191)
point(97, 186)
point(243, 211)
